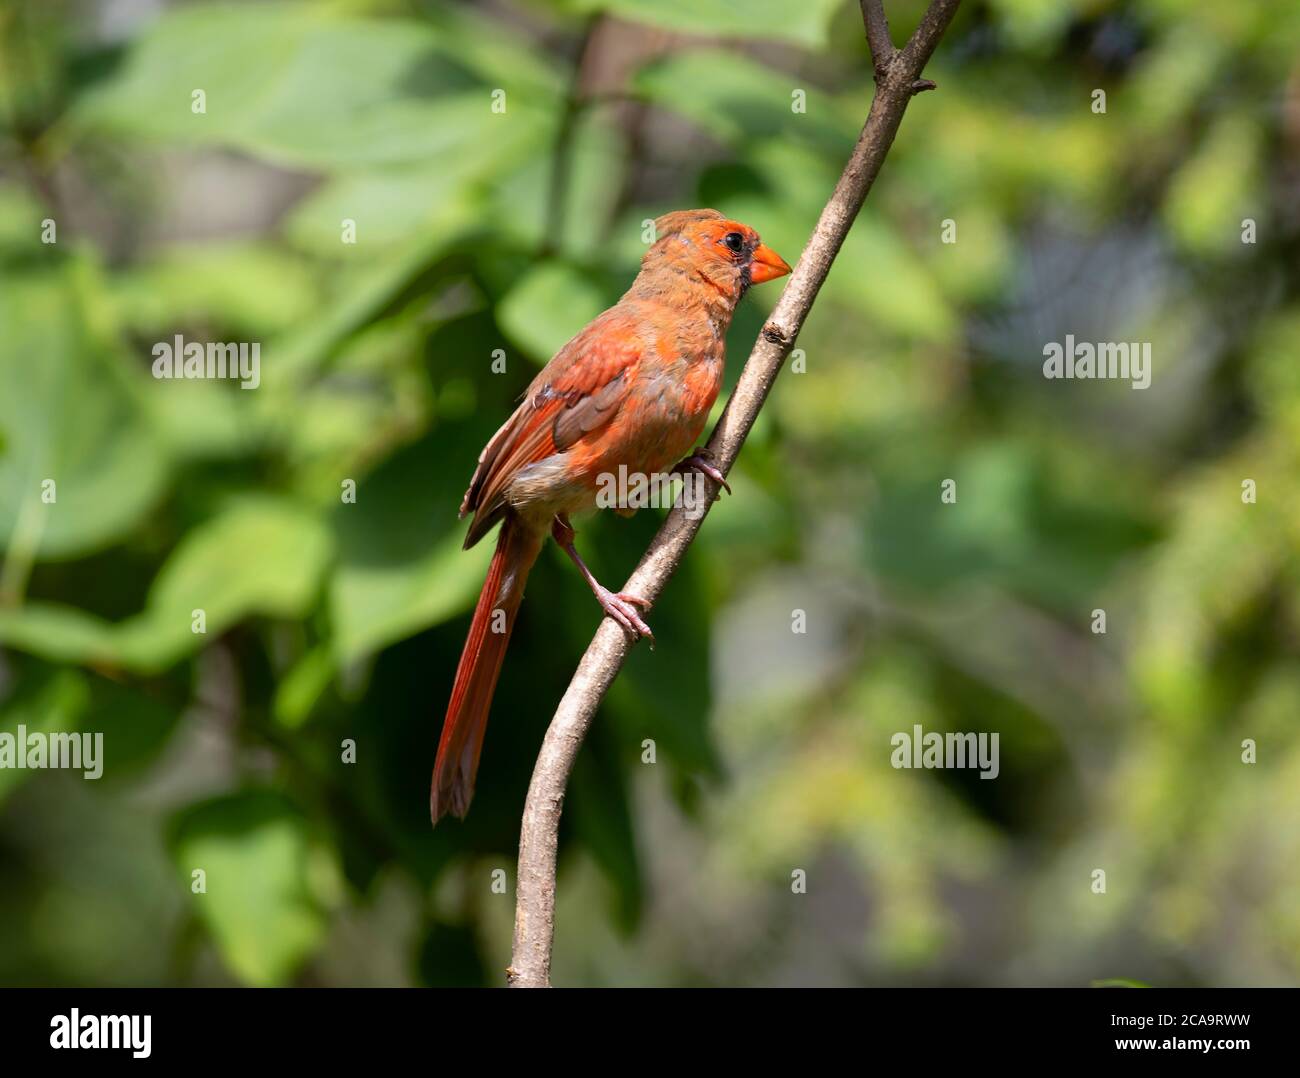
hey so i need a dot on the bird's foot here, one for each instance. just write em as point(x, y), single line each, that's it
point(622, 607)
point(702, 461)
point(619, 605)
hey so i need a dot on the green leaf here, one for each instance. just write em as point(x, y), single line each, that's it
point(389, 206)
point(377, 604)
point(261, 556)
point(58, 632)
point(305, 86)
point(68, 414)
point(520, 201)
point(20, 219)
point(1034, 25)
point(1179, 71)
point(739, 100)
point(1216, 188)
point(136, 721)
point(269, 883)
point(302, 686)
point(401, 568)
point(362, 293)
point(53, 702)
point(548, 306)
point(198, 418)
point(249, 287)
point(805, 23)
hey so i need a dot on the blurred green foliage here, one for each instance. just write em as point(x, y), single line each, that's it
point(331, 623)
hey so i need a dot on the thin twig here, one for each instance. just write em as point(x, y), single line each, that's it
point(535, 906)
point(878, 38)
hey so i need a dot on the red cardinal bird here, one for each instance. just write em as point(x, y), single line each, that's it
point(634, 389)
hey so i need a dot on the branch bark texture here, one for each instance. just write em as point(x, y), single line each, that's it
point(898, 79)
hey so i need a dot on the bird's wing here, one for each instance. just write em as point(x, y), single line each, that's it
point(578, 392)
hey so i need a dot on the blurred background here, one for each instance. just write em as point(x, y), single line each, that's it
point(496, 162)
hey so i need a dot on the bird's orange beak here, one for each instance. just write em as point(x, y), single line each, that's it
point(767, 265)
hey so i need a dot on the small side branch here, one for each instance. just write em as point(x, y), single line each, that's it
point(898, 79)
point(878, 37)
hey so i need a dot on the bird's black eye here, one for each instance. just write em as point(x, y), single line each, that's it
point(734, 241)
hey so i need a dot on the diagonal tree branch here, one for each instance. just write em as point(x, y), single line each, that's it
point(897, 80)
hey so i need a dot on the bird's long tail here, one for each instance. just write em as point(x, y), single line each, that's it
point(480, 663)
